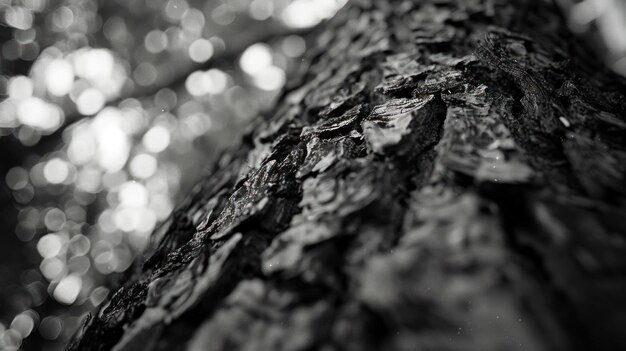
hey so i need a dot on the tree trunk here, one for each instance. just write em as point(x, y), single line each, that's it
point(444, 175)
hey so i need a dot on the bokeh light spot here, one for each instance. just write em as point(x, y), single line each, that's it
point(82, 148)
point(175, 9)
point(17, 178)
point(145, 74)
point(143, 166)
point(52, 268)
point(307, 13)
point(261, 10)
point(133, 194)
point(270, 79)
point(95, 65)
point(293, 46)
point(62, 18)
point(38, 114)
point(23, 323)
point(112, 140)
point(68, 289)
point(223, 14)
point(79, 245)
point(20, 87)
point(49, 245)
point(54, 219)
point(255, 58)
point(18, 17)
point(50, 327)
point(193, 21)
point(216, 81)
point(155, 41)
point(156, 139)
point(200, 50)
point(98, 295)
point(56, 171)
point(90, 101)
point(59, 77)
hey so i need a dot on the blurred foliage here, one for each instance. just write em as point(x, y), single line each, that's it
point(603, 23)
point(113, 108)
point(129, 102)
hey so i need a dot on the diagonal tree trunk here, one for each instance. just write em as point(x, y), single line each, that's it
point(445, 175)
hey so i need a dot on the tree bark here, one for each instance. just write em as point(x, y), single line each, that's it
point(444, 175)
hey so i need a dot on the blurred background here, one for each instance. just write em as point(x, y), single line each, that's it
point(111, 109)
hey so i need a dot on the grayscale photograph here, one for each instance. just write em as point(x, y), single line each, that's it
point(313, 175)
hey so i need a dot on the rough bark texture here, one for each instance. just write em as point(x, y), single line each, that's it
point(445, 175)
